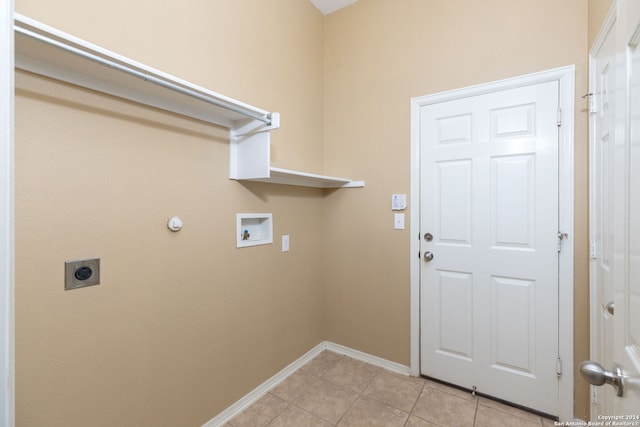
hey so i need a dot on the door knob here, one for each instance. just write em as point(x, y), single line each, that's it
point(595, 374)
point(610, 307)
point(428, 256)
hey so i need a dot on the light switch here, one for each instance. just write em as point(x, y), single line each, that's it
point(398, 221)
point(285, 243)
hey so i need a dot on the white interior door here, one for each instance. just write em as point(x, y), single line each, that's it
point(626, 340)
point(617, 169)
point(602, 213)
point(489, 199)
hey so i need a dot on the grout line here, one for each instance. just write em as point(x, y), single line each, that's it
point(316, 416)
point(415, 402)
point(278, 414)
point(313, 415)
point(475, 414)
point(347, 411)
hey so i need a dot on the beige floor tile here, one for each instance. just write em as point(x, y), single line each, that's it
point(294, 385)
point(398, 391)
point(326, 400)
point(464, 394)
point(322, 363)
point(490, 417)
point(296, 417)
point(372, 413)
point(351, 374)
point(334, 389)
point(414, 421)
point(483, 401)
point(260, 413)
point(444, 409)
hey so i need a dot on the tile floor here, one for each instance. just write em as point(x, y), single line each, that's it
point(336, 390)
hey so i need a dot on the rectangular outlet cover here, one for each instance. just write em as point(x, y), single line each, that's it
point(285, 243)
point(81, 273)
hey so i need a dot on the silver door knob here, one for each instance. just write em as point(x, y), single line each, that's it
point(595, 374)
point(610, 307)
point(428, 256)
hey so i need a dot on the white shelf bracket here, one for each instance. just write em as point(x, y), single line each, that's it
point(250, 127)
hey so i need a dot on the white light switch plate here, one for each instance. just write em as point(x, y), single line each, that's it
point(285, 243)
point(398, 221)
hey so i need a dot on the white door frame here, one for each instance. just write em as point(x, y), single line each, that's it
point(7, 223)
point(566, 78)
point(594, 286)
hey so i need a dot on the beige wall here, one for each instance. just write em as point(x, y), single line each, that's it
point(171, 336)
point(380, 54)
point(598, 10)
point(183, 324)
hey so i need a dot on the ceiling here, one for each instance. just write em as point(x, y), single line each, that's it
point(329, 6)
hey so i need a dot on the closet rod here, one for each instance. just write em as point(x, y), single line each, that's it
point(265, 118)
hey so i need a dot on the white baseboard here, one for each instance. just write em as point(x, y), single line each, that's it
point(368, 358)
point(266, 386)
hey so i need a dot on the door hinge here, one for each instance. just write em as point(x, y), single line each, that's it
point(561, 236)
point(592, 104)
point(591, 99)
point(559, 367)
point(559, 118)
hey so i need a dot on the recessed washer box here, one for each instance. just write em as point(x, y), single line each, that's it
point(254, 229)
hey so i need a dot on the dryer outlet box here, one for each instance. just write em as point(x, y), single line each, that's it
point(81, 273)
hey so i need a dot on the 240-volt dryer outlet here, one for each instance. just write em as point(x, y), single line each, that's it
point(81, 273)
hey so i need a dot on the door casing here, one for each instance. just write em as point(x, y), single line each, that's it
point(566, 78)
point(7, 223)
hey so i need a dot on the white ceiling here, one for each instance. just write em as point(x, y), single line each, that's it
point(329, 6)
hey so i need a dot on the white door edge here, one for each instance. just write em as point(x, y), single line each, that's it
point(566, 78)
point(594, 309)
point(7, 224)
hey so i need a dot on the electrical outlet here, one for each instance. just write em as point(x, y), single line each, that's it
point(81, 273)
